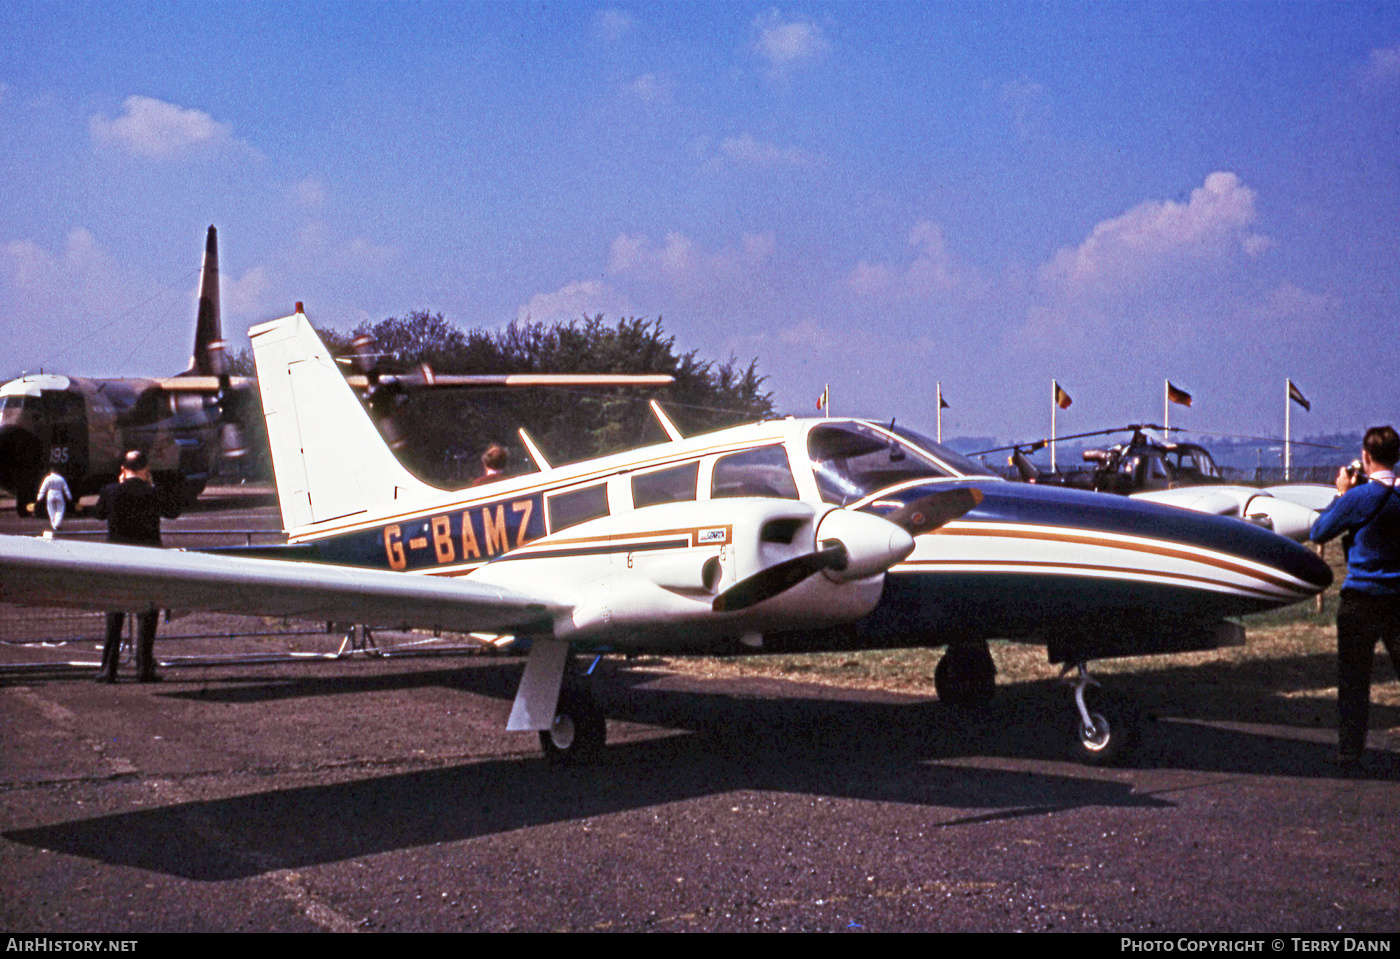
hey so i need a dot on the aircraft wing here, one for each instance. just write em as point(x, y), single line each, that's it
point(1285, 516)
point(489, 381)
point(47, 572)
point(1312, 495)
point(201, 384)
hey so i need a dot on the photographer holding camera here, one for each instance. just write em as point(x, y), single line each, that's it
point(1367, 511)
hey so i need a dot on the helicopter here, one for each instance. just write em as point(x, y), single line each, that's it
point(1177, 474)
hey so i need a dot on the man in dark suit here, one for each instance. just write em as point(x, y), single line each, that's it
point(132, 507)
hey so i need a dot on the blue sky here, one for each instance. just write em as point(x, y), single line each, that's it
point(879, 196)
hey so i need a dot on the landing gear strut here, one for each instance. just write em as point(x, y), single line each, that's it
point(1107, 727)
point(966, 675)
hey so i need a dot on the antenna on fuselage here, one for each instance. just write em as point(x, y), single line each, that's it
point(665, 421)
point(534, 451)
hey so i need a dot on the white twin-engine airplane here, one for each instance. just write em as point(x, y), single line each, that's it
point(786, 535)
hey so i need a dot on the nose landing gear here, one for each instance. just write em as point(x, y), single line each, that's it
point(1107, 727)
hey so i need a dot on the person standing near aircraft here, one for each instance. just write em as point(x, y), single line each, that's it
point(55, 495)
point(133, 508)
point(1367, 511)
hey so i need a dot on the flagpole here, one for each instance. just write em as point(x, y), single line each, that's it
point(940, 412)
point(1287, 431)
point(1166, 410)
point(1054, 406)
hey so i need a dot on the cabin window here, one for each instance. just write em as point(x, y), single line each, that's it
point(675, 484)
point(577, 506)
point(758, 472)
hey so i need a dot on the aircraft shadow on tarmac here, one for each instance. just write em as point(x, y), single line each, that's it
point(242, 836)
point(1029, 720)
point(758, 735)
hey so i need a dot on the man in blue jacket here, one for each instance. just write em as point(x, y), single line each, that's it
point(1367, 511)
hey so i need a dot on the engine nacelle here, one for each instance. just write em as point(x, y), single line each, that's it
point(658, 569)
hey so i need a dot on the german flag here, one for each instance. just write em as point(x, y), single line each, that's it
point(1062, 399)
point(1296, 395)
point(1177, 395)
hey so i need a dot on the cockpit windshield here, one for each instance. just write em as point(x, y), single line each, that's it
point(852, 460)
point(1194, 459)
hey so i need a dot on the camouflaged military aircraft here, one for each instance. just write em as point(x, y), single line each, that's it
point(82, 426)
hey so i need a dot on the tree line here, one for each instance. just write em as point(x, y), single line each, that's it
point(447, 430)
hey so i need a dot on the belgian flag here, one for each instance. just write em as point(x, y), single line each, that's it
point(1296, 395)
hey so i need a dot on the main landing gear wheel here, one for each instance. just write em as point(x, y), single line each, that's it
point(966, 676)
point(579, 730)
point(1107, 727)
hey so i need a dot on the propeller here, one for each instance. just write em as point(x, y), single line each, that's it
point(382, 396)
point(229, 402)
point(927, 513)
point(876, 544)
point(779, 578)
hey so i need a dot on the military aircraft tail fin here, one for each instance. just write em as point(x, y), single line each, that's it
point(328, 458)
point(208, 330)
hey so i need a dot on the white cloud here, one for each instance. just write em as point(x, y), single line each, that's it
point(242, 296)
point(652, 88)
point(680, 262)
point(813, 336)
point(746, 150)
point(1026, 100)
point(1383, 68)
point(612, 24)
point(361, 256)
point(157, 130)
point(58, 300)
point(933, 271)
point(787, 44)
point(310, 192)
point(1208, 229)
point(44, 274)
point(572, 301)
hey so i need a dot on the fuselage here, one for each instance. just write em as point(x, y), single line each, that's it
point(81, 427)
point(1084, 573)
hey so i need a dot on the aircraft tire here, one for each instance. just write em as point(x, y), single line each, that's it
point(1117, 728)
point(27, 496)
point(579, 730)
point(965, 676)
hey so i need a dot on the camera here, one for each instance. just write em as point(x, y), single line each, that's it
point(1356, 472)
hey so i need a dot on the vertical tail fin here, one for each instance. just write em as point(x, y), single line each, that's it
point(329, 460)
point(208, 328)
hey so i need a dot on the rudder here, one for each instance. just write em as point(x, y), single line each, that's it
point(328, 459)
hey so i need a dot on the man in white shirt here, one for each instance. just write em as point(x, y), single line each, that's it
point(55, 494)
